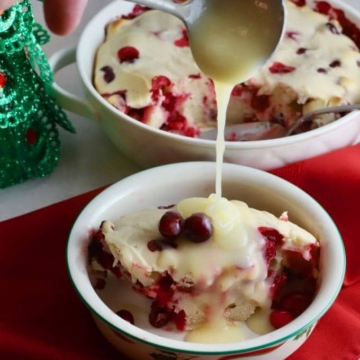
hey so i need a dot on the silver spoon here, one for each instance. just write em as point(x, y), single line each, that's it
point(310, 116)
point(265, 130)
point(228, 35)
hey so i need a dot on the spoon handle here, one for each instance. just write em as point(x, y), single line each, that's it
point(168, 6)
point(309, 116)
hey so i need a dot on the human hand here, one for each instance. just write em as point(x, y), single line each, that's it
point(61, 16)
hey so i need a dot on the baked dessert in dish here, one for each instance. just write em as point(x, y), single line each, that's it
point(207, 260)
point(145, 69)
point(315, 66)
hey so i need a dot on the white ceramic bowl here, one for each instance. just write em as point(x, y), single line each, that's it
point(167, 185)
point(159, 147)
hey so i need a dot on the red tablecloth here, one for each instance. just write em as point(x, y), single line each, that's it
point(41, 317)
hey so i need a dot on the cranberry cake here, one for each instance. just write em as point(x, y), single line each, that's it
point(209, 259)
point(316, 65)
point(145, 69)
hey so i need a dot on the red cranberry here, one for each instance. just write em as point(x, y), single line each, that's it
point(171, 101)
point(273, 238)
point(292, 35)
point(116, 271)
point(348, 27)
point(295, 302)
point(128, 54)
point(109, 75)
point(179, 319)
point(170, 224)
point(315, 256)
point(136, 114)
point(100, 284)
point(333, 28)
point(138, 10)
point(159, 82)
point(278, 284)
point(335, 63)
point(298, 265)
point(165, 290)
point(280, 318)
point(271, 234)
point(192, 132)
point(322, 70)
point(183, 41)
point(310, 287)
point(95, 246)
point(237, 90)
point(323, 7)
point(301, 51)
point(158, 87)
point(198, 227)
point(260, 102)
point(96, 252)
point(159, 316)
point(176, 121)
point(299, 3)
point(159, 245)
point(195, 76)
point(280, 68)
point(126, 315)
point(106, 260)
point(270, 251)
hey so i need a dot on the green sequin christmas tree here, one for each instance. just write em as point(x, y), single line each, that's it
point(29, 138)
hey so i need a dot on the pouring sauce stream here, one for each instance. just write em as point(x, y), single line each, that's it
point(230, 40)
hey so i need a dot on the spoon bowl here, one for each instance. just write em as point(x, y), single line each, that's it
point(229, 39)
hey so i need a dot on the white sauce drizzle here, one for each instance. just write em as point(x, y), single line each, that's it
point(228, 59)
point(243, 35)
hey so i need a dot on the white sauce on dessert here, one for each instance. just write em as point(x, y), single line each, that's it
point(236, 243)
point(259, 321)
point(229, 268)
point(217, 331)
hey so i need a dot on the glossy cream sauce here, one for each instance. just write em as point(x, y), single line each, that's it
point(243, 36)
point(216, 331)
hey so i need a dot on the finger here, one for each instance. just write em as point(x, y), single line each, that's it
point(5, 4)
point(63, 16)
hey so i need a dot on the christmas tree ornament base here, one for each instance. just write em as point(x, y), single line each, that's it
point(29, 116)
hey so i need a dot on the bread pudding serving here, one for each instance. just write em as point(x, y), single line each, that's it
point(209, 262)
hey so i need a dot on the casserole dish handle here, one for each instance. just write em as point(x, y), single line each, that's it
point(64, 98)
